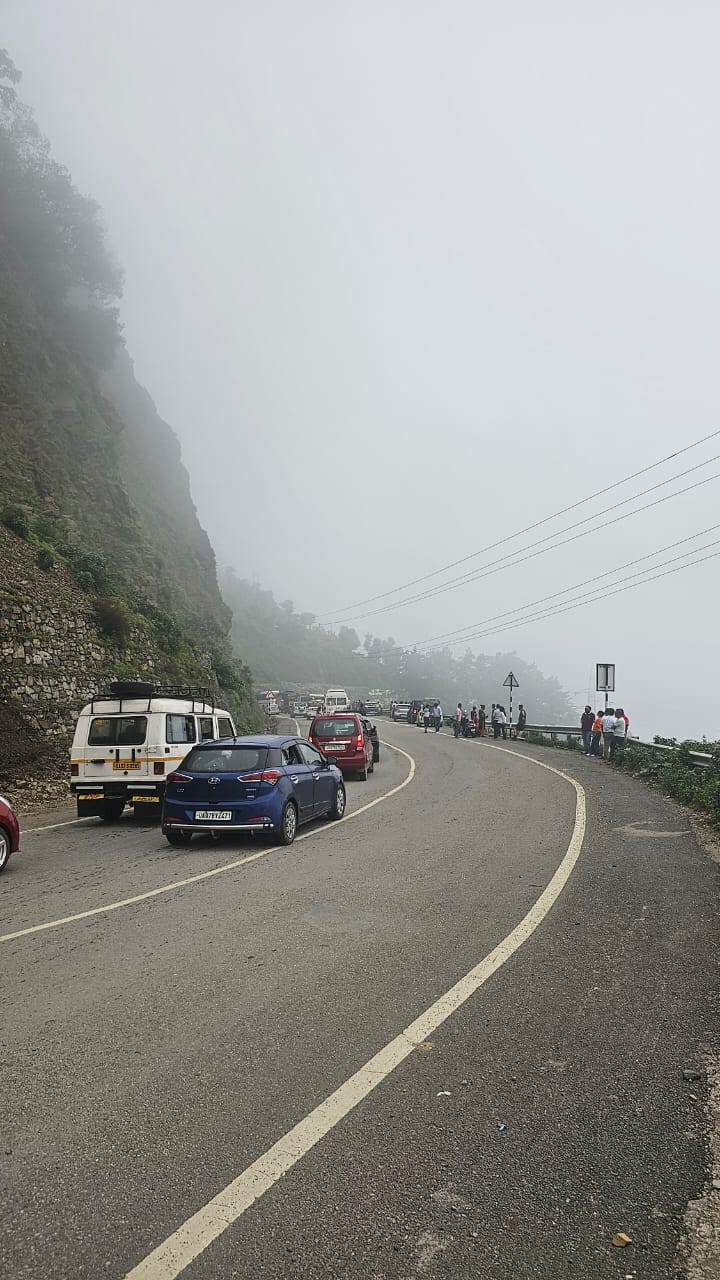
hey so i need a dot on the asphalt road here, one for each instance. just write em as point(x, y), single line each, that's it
point(153, 1052)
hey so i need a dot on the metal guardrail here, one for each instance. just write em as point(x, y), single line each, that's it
point(699, 759)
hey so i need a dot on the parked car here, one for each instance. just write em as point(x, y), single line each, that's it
point(9, 832)
point(265, 783)
point(372, 733)
point(345, 739)
point(402, 711)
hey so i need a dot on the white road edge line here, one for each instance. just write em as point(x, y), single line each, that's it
point(170, 1258)
point(53, 826)
point(215, 871)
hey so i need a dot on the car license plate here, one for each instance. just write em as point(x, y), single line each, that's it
point(213, 815)
point(336, 746)
point(127, 764)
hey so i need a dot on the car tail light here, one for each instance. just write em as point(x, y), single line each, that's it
point(179, 777)
point(74, 770)
point(360, 742)
point(159, 766)
point(271, 776)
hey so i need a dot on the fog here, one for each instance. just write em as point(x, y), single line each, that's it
point(407, 277)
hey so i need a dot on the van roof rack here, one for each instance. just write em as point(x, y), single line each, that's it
point(137, 691)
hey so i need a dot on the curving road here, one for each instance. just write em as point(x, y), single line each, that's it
point(169, 1060)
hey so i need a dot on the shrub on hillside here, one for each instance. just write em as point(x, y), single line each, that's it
point(16, 518)
point(89, 568)
point(45, 559)
point(113, 620)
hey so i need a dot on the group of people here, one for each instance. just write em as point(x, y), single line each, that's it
point(605, 732)
point(431, 716)
point(474, 723)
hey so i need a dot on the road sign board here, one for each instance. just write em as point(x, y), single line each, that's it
point(510, 682)
point(605, 677)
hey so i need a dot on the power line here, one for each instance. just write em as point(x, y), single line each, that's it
point(358, 604)
point(457, 636)
point(580, 603)
point(489, 569)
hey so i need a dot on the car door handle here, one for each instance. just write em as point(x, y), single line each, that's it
point(294, 777)
point(316, 776)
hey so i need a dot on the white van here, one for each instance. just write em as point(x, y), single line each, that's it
point(336, 701)
point(129, 739)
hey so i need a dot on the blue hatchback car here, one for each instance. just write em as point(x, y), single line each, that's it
point(265, 783)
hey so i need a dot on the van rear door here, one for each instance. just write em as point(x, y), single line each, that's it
point(111, 747)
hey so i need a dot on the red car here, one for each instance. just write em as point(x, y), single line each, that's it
point(9, 832)
point(343, 739)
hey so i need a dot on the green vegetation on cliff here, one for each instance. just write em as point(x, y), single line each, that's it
point(92, 476)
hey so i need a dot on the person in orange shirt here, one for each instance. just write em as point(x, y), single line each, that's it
point(596, 734)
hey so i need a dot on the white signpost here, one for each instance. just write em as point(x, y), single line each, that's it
point(605, 678)
point(510, 683)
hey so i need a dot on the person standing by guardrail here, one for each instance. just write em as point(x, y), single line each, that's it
point(586, 724)
point(437, 716)
point(521, 720)
point(619, 734)
point(608, 729)
point(596, 734)
point(456, 719)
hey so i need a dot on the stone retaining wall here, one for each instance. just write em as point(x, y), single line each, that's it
point(53, 658)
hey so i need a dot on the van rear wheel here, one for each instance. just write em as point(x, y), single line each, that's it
point(114, 810)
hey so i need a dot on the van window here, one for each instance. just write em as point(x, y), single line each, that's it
point(180, 728)
point(206, 727)
point(225, 727)
point(117, 731)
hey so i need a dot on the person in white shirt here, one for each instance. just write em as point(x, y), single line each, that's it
point(496, 718)
point(619, 733)
point(608, 729)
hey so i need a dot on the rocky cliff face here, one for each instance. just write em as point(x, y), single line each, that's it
point(104, 567)
point(54, 654)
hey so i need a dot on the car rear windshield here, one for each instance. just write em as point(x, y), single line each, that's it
point(334, 727)
point(117, 731)
point(225, 759)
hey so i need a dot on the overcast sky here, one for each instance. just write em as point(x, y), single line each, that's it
point(407, 276)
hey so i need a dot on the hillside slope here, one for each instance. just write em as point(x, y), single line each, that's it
point(92, 479)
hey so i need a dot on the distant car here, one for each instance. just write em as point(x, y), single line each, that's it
point(346, 739)
point(373, 708)
point(265, 783)
point(9, 832)
point(372, 733)
point(402, 711)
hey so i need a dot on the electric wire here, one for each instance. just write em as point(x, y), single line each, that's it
point(458, 634)
point(358, 604)
point(581, 603)
point(497, 566)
